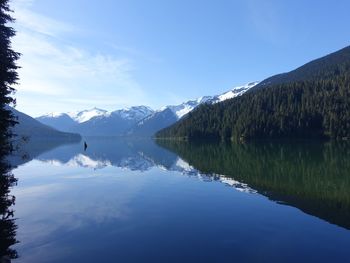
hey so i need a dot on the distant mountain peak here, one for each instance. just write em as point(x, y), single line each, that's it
point(186, 107)
point(236, 91)
point(86, 115)
point(168, 115)
point(134, 113)
point(53, 115)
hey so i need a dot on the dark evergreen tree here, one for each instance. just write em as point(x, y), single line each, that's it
point(8, 225)
point(8, 77)
point(8, 74)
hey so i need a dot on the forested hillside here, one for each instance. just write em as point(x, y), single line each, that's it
point(316, 105)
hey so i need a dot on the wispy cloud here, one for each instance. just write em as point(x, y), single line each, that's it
point(65, 73)
point(29, 20)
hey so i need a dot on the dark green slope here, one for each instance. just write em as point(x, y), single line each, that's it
point(333, 64)
point(310, 102)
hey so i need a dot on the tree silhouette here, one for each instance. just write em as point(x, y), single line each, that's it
point(8, 77)
point(8, 74)
point(7, 222)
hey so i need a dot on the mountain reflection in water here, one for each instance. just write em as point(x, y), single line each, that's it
point(132, 154)
point(313, 177)
point(143, 199)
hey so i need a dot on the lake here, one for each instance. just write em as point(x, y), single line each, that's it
point(144, 201)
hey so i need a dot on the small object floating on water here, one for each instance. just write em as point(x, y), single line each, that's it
point(85, 146)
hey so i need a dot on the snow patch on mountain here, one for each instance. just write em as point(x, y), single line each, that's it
point(186, 107)
point(235, 92)
point(53, 115)
point(134, 113)
point(86, 115)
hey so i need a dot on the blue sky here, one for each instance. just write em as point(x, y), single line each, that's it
point(79, 54)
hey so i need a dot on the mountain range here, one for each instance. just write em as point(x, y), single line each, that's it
point(312, 101)
point(29, 128)
point(140, 121)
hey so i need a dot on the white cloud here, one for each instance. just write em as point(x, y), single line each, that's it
point(29, 20)
point(64, 74)
point(40, 24)
point(22, 3)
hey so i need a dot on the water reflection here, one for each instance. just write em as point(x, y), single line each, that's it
point(136, 155)
point(89, 205)
point(25, 151)
point(30, 149)
point(313, 177)
point(132, 154)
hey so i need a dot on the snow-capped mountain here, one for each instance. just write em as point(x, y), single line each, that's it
point(140, 121)
point(168, 115)
point(66, 121)
point(136, 113)
point(97, 121)
point(86, 115)
point(235, 92)
point(116, 123)
point(186, 107)
point(78, 116)
point(59, 121)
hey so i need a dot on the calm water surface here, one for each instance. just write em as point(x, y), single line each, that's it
point(142, 201)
